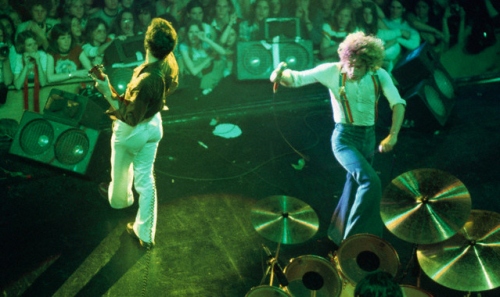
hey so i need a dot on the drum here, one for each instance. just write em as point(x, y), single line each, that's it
point(267, 291)
point(411, 291)
point(312, 273)
point(361, 254)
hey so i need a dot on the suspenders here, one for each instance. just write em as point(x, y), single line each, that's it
point(343, 97)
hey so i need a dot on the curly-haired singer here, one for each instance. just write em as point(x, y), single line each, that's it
point(355, 85)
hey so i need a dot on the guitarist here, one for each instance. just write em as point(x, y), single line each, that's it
point(138, 129)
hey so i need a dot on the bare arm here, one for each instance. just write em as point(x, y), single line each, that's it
point(388, 143)
point(84, 59)
point(191, 67)
point(8, 77)
point(219, 49)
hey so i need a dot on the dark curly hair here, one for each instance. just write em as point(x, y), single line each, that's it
point(378, 284)
point(160, 38)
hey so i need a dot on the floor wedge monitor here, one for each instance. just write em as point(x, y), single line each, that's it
point(54, 143)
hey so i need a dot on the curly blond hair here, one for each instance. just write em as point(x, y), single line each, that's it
point(366, 48)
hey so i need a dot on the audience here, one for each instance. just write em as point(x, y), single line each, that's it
point(279, 9)
point(327, 8)
point(145, 11)
point(194, 12)
point(202, 67)
point(6, 76)
point(311, 21)
point(65, 60)
point(8, 38)
point(31, 67)
point(127, 4)
point(55, 11)
point(209, 31)
point(107, 11)
point(76, 8)
point(369, 23)
point(124, 25)
point(222, 15)
point(228, 41)
point(433, 28)
point(39, 23)
point(74, 24)
point(409, 40)
point(97, 40)
point(253, 28)
point(335, 30)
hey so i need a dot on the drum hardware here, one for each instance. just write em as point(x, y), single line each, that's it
point(312, 276)
point(425, 206)
point(411, 291)
point(274, 267)
point(284, 219)
point(267, 291)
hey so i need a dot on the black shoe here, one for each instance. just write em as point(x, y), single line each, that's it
point(103, 190)
point(130, 230)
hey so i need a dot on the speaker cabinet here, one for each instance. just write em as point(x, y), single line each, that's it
point(415, 66)
point(54, 143)
point(427, 108)
point(73, 109)
point(284, 28)
point(125, 51)
point(257, 59)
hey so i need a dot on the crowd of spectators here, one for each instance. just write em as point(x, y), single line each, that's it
point(51, 41)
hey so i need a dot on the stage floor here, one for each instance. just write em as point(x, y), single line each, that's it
point(60, 238)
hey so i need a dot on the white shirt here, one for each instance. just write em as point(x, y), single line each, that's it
point(360, 94)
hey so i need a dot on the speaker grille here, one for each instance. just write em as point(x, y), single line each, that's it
point(434, 101)
point(36, 137)
point(296, 56)
point(256, 60)
point(71, 147)
point(444, 84)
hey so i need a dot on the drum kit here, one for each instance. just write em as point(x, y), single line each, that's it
point(454, 246)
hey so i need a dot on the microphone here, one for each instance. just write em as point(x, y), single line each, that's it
point(281, 67)
point(276, 267)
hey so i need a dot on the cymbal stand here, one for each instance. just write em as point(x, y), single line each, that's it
point(414, 265)
point(478, 294)
point(273, 267)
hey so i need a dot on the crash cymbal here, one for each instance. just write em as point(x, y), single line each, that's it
point(425, 206)
point(284, 219)
point(468, 261)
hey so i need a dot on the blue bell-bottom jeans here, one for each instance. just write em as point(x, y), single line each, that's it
point(358, 210)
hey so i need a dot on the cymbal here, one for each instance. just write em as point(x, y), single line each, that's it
point(284, 219)
point(470, 260)
point(425, 206)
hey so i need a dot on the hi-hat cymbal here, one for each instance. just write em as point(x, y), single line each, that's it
point(284, 219)
point(470, 260)
point(425, 206)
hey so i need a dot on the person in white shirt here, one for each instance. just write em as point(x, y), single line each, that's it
point(396, 20)
point(355, 84)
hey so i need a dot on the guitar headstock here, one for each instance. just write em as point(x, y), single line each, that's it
point(97, 72)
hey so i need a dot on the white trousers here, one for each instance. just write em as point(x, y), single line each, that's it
point(133, 152)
